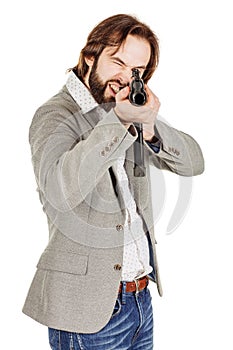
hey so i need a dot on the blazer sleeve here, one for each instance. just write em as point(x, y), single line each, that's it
point(178, 153)
point(68, 160)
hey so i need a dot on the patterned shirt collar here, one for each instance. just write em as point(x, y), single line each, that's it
point(80, 93)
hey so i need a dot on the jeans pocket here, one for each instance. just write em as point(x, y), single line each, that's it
point(117, 308)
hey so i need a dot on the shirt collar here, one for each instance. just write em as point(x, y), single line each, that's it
point(80, 93)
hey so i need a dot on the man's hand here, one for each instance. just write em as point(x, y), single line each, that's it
point(146, 114)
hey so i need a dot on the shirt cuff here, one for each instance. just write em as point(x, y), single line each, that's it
point(154, 146)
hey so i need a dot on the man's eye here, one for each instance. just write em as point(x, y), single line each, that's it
point(140, 72)
point(118, 63)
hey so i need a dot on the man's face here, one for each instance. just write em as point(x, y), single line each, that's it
point(113, 71)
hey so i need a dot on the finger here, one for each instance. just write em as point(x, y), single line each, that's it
point(149, 91)
point(122, 94)
point(151, 96)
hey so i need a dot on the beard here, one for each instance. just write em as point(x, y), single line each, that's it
point(98, 89)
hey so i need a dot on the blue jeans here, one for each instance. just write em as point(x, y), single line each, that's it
point(130, 328)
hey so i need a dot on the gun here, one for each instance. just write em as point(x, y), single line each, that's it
point(138, 97)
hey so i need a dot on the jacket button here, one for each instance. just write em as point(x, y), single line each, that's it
point(115, 139)
point(117, 267)
point(119, 227)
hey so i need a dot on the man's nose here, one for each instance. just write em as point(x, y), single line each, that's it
point(125, 75)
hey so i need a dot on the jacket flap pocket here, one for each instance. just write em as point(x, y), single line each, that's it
point(61, 261)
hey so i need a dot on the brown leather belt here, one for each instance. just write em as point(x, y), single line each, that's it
point(135, 286)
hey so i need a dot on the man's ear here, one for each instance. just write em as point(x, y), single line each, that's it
point(89, 61)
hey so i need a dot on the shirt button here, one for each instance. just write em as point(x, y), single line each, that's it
point(107, 148)
point(117, 267)
point(103, 153)
point(119, 227)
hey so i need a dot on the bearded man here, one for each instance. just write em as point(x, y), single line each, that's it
point(91, 284)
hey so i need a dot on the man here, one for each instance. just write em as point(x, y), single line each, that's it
point(90, 287)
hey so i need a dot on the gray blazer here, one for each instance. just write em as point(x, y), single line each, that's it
point(78, 274)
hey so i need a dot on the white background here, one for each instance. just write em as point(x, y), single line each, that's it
point(39, 41)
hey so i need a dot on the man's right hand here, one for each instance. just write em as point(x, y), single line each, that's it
point(146, 114)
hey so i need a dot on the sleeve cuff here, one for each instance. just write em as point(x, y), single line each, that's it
point(154, 146)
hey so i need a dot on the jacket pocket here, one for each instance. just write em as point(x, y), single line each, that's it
point(62, 261)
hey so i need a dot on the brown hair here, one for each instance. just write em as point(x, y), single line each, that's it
point(113, 32)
